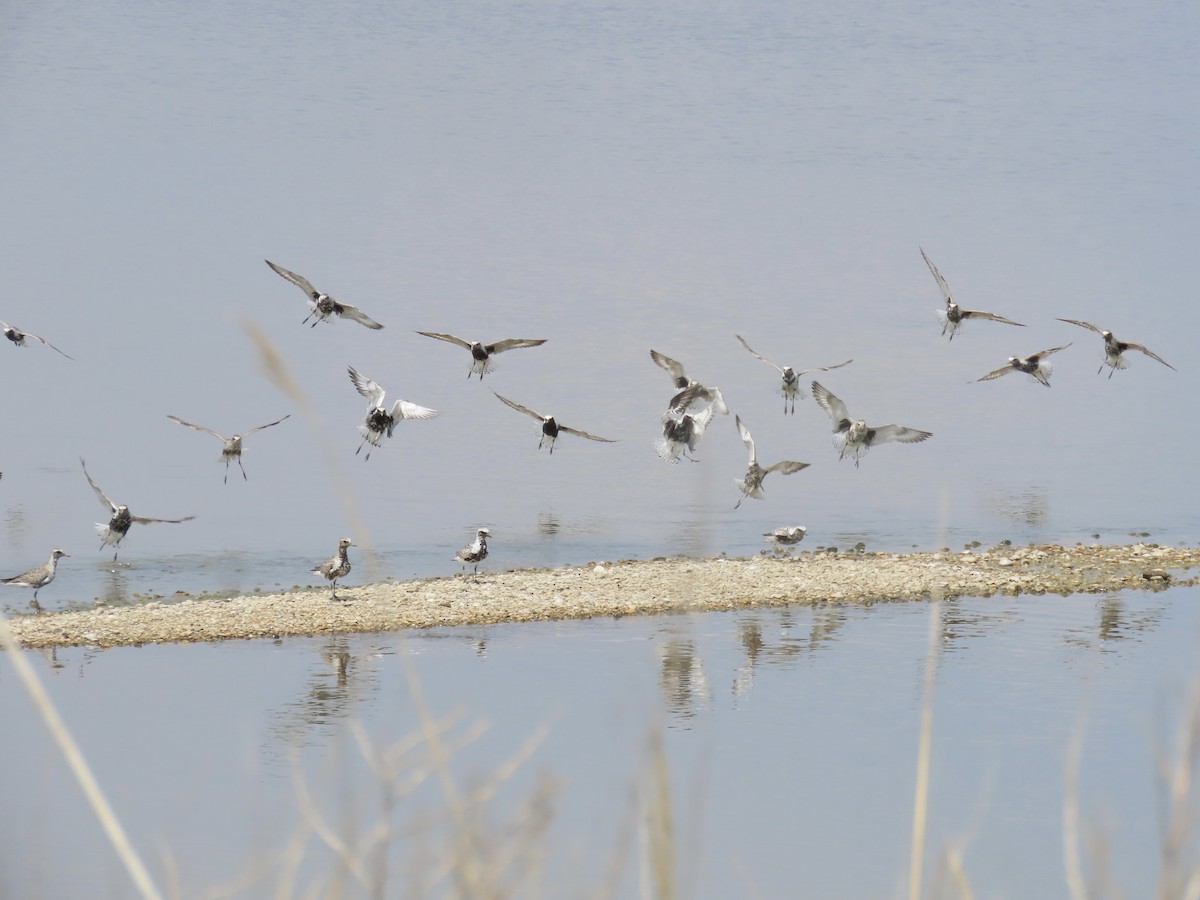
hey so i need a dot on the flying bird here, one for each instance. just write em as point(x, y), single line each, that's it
point(751, 484)
point(855, 436)
point(122, 519)
point(790, 386)
point(17, 336)
point(337, 566)
point(682, 432)
point(475, 552)
point(37, 577)
point(1114, 350)
point(321, 304)
point(481, 353)
point(1035, 365)
point(233, 445)
point(954, 315)
point(689, 391)
point(792, 534)
point(380, 421)
point(551, 426)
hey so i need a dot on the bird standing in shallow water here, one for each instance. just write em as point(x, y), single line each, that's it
point(233, 445)
point(551, 426)
point(790, 386)
point(751, 484)
point(1114, 350)
point(37, 577)
point(380, 421)
point(1035, 365)
point(122, 519)
point(954, 315)
point(481, 353)
point(321, 304)
point(475, 552)
point(17, 336)
point(855, 436)
point(337, 566)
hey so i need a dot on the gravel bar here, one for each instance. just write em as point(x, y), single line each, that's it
point(629, 587)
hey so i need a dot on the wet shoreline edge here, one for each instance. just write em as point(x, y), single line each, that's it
point(629, 587)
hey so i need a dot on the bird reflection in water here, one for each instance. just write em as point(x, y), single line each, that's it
point(331, 692)
point(1116, 623)
point(1030, 507)
point(681, 676)
point(824, 624)
point(547, 524)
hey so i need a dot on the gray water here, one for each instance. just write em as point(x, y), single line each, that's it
point(612, 178)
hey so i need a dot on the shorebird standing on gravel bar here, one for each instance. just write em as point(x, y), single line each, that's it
point(855, 436)
point(122, 519)
point(233, 445)
point(321, 304)
point(790, 385)
point(380, 421)
point(751, 484)
point(954, 315)
point(475, 552)
point(337, 566)
point(1114, 350)
point(38, 577)
point(481, 353)
point(17, 336)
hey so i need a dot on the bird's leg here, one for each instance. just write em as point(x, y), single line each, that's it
point(37, 607)
point(240, 466)
point(226, 471)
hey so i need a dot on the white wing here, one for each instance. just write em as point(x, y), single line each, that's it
point(366, 387)
point(671, 365)
point(832, 405)
point(937, 276)
point(885, 433)
point(300, 281)
point(753, 353)
point(198, 427)
point(746, 438)
point(261, 427)
point(786, 466)
point(402, 409)
point(446, 337)
point(353, 312)
point(95, 487)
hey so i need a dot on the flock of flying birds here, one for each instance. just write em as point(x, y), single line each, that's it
point(691, 408)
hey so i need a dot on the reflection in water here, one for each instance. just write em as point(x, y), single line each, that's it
point(1029, 507)
point(547, 524)
point(1115, 623)
point(116, 592)
point(824, 623)
point(331, 692)
point(681, 676)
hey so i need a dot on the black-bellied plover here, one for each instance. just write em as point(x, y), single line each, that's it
point(855, 436)
point(1114, 350)
point(37, 577)
point(380, 421)
point(1035, 365)
point(551, 426)
point(475, 552)
point(122, 519)
point(481, 353)
point(751, 484)
point(17, 336)
point(233, 445)
point(689, 392)
point(790, 386)
point(953, 315)
point(337, 566)
point(682, 432)
point(792, 534)
point(321, 304)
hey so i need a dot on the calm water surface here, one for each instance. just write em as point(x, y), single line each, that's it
point(790, 737)
point(612, 178)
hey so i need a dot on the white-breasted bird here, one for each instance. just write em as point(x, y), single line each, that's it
point(751, 484)
point(953, 316)
point(551, 427)
point(1114, 350)
point(481, 353)
point(475, 552)
point(337, 566)
point(121, 520)
point(790, 385)
point(37, 577)
point(17, 336)
point(233, 444)
point(381, 421)
point(1035, 365)
point(682, 432)
point(689, 391)
point(321, 304)
point(855, 436)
